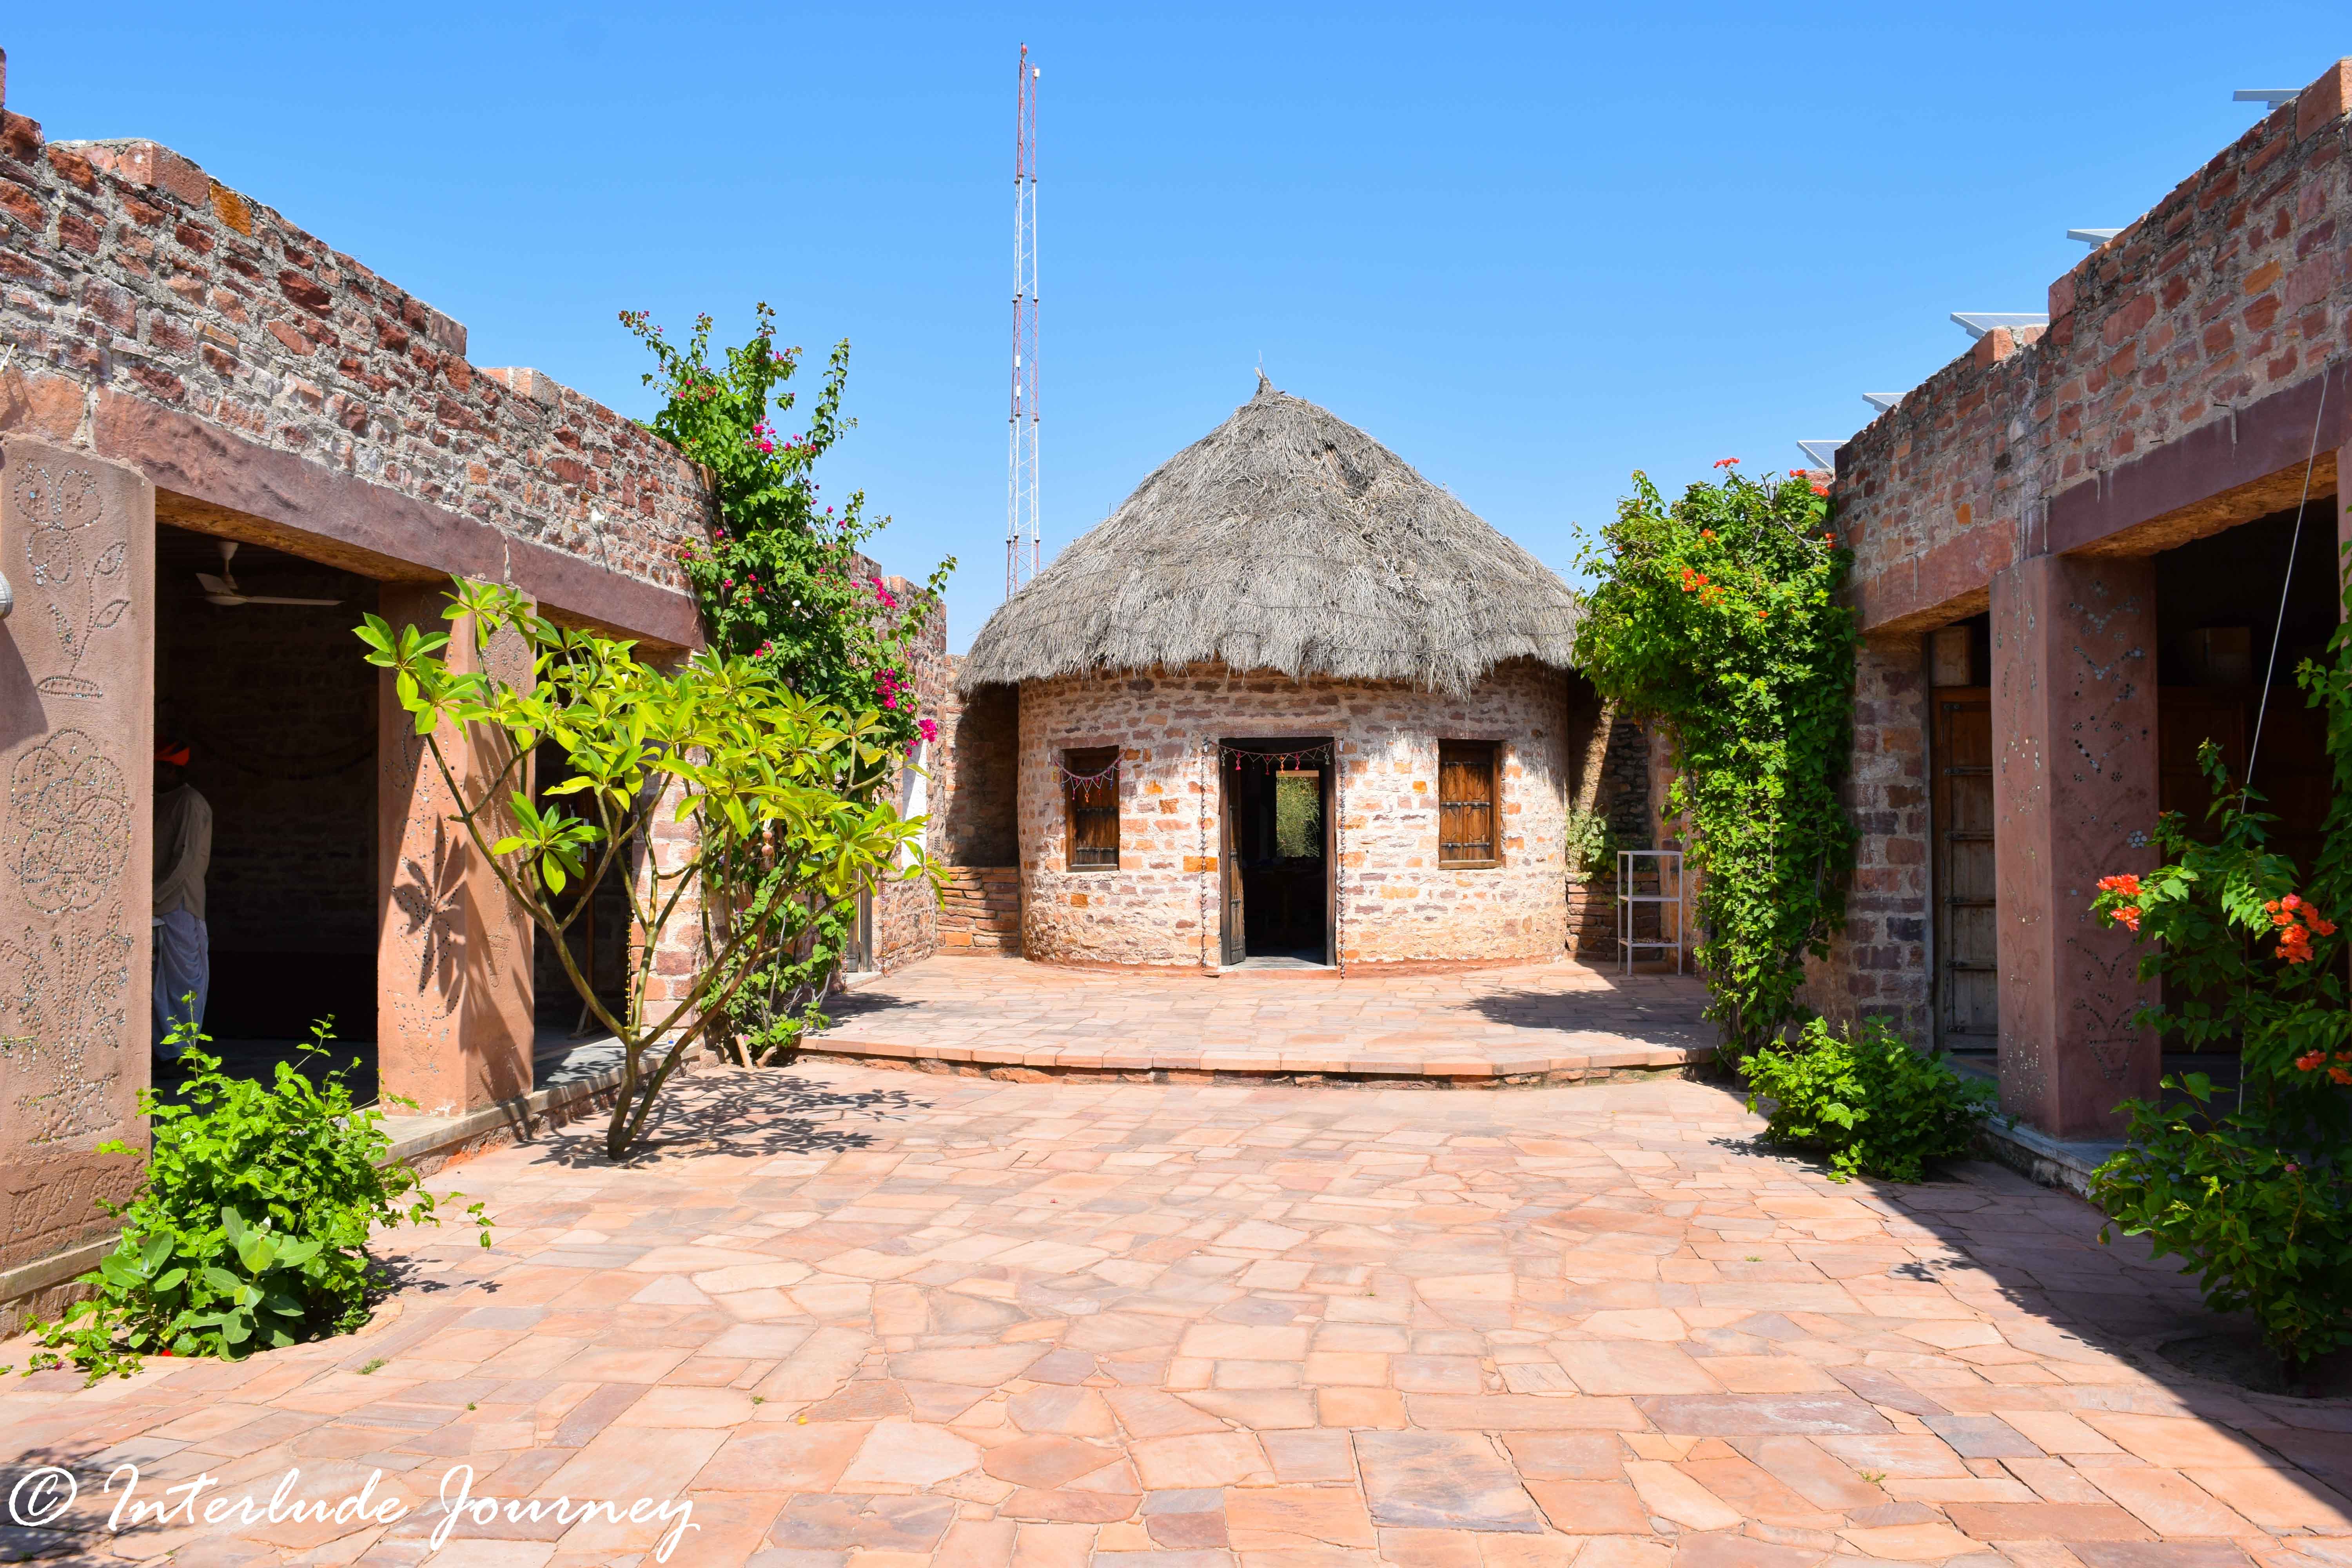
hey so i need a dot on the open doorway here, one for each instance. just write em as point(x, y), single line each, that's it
point(257, 675)
point(1277, 856)
point(1964, 920)
point(2224, 604)
point(569, 1040)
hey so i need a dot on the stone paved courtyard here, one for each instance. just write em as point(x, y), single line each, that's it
point(861, 1317)
point(1563, 1018)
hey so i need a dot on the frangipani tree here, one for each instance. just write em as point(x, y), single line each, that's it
point(755, 770)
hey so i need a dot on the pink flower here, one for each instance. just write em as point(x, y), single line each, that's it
point(930, 731)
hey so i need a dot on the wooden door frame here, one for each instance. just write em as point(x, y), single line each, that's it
point(1331, 857)
point(1229, 888)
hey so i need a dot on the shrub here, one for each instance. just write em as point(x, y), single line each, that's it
point(2256, 1203)
point(1592, 845)
point(2262, 1229)
point(1722, 615)
point(1874, 1105)
point(251, 1228)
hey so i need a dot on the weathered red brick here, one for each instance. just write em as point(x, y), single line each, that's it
point(304, 292)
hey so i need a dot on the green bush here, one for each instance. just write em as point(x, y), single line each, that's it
point(1874, 1105)
point(250, 1229)
point(1722, 618)
point(1592, 845)
point(2262, 1229)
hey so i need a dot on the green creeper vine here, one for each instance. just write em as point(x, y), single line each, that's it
point(781, 582)
point(1719, 616)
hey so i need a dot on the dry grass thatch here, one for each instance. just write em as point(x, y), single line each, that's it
point(1285, 539)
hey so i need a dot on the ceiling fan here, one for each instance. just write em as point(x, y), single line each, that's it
point(223, 590)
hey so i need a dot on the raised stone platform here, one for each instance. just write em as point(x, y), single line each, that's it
point(1558, 1022)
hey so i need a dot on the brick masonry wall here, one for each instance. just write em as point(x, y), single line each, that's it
point(978, 776)
point(1395, 905)
point(2177, 391)
point(1618, 787)
point(130, 278)
point(1880, 965)
point(2235, 287)
point(981, 911)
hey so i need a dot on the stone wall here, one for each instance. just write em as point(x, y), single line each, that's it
point(978, 777)
point(1160, 906)
point(250, 368)
point(2191, 379)
point(1613, 779)
point(981, 911)
point(1879, 965)
point(2146, 395)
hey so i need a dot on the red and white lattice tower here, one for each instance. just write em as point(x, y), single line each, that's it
point(1021, 479)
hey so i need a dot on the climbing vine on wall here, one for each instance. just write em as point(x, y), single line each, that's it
point(1718, 615)
point(780, 582)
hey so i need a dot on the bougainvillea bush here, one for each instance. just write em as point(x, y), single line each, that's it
point(1718, 615)
point(782, 584)
point(2255, 1199)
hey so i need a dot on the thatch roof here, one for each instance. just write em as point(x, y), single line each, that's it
point(1285, 539)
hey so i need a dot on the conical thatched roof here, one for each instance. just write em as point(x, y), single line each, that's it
point(1288, 540)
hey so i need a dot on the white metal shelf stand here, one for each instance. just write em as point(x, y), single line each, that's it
point(1628, 866)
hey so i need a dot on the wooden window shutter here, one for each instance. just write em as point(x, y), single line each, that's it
point(1465, 803)
point(1094, 807)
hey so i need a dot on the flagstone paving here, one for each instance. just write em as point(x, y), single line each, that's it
point(859, 1317)
point(1562, 1021)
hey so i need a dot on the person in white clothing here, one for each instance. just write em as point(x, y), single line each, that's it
point(183, 851)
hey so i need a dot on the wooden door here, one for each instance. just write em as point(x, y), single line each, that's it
point(1232, 933)
point(1967, 973)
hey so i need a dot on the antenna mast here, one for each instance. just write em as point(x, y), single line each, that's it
point(1021, 479)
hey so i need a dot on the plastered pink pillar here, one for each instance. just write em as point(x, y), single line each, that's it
point(454, 953)
point(2075, 799)
point(77, 828)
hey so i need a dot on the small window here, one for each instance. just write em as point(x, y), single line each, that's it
point(1090, 782)
point(1465, 803)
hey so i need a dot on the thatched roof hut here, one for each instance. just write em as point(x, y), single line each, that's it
point(1286, 539)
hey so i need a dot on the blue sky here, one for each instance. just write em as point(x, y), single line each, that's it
point(1530, 248)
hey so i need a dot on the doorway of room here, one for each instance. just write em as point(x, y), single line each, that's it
point(1278, 852)
point(262, 692)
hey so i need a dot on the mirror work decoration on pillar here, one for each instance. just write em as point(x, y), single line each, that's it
point(77, 715)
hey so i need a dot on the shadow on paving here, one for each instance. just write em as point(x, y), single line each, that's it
point(844, 1007)
point(2040, 1248)
point(1644, 1016)
point(768, 1111)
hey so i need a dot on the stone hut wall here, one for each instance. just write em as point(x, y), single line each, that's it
point(1396, 905)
